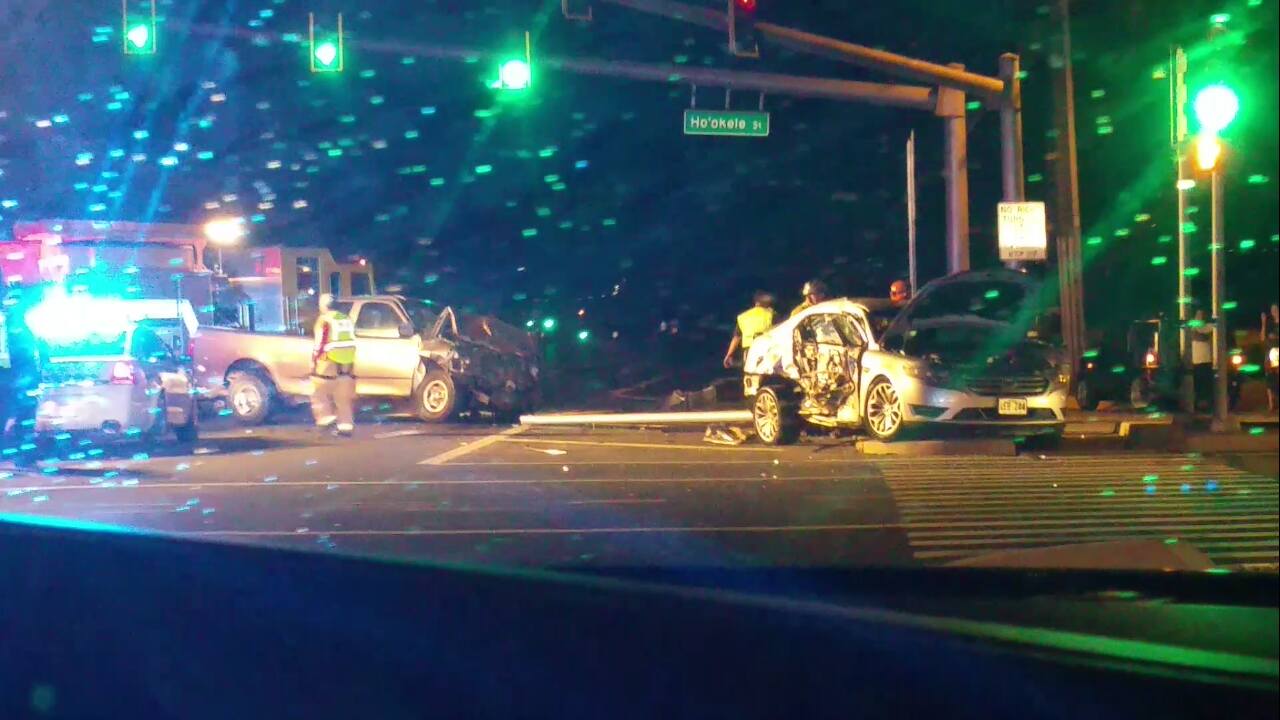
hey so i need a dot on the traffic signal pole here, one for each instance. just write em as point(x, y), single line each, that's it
point(1178, 140)
point(1004, 92)
point(1067, 207)
point(1221, 421)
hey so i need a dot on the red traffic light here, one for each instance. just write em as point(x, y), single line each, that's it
point(747, 6)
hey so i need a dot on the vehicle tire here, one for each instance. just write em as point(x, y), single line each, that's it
point(1086, 396)
point(249, 397)
point(774, 415)
point(436, 398)
point(1139, 393)
point(160, 426)
point(883, 415)
point(190, 432)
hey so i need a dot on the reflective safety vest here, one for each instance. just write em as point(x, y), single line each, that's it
point(340, 340)
point(752, 323)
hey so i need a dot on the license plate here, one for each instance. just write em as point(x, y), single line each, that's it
point(1011, 406)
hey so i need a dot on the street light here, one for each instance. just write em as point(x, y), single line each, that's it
point(224, 232)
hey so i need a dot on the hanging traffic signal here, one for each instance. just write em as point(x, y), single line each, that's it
point(326, 48)
point(139, 31)
point(1215, 107)
point(742, 28)
point(516, 73)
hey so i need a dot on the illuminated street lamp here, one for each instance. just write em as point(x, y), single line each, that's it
point(224, 232)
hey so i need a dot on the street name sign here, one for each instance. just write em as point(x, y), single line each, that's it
point(1023, 234)
point(734, 123)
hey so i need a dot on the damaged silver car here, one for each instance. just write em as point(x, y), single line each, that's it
point(962, 353)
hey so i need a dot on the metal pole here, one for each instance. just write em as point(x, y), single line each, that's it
point(1177, 138)
point(890, 63)
point(906, 96)
point(1011, 172)
point(956, 173)
point(911, 211)
point(1220, 419)
point(1070, 257)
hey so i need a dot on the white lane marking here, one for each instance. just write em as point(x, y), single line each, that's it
point(644, 445)
point(471, 447)
point(399, 433)
point(210, 486)
point(619, 501)
point(549, 531)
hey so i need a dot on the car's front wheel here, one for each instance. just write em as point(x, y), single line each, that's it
point(884, 415)
point(774, 416)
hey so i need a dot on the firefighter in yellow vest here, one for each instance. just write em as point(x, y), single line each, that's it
point(751, 324)
point(332, 370)
point(813, 292)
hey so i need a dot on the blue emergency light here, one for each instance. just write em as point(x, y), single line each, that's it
point(65, 319)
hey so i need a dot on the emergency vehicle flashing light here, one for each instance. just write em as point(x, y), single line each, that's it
point(64, 319)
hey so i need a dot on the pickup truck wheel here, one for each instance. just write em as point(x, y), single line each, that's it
point(249, 398)
point(437, 397)
point(190, 432)
point(774, 417)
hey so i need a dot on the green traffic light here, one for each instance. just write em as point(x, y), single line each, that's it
point(326, 54)
point(584, 335)
point(139, 36)
point(514, 75)
point(1215, 107)
point(549, 324)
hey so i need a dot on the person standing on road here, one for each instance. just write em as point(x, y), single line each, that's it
point(899, 294)
point(814, 292)
point(332, 370)
point(750, 325)
point(1202, 359)
point(1270, 336)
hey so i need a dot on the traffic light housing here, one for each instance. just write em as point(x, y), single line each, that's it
point(139, 30)
point(325, 48)
point(743, 41)
point(516, 73)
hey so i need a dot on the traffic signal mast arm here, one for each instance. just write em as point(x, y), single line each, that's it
point(904, 96)
point(891, 63)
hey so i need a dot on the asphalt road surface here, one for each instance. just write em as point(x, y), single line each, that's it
point(512, 496)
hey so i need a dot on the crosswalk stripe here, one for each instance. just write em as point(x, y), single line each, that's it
point(953, 508)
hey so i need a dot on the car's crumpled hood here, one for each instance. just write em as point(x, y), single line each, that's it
point(992, 347)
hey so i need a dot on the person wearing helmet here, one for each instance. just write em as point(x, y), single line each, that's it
point(899, 293)
point(750, 325)
point(332, 370)
point(814, 292)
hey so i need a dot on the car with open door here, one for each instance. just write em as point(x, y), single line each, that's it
point(961, 354)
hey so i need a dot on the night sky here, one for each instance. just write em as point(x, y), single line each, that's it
point(581, 193)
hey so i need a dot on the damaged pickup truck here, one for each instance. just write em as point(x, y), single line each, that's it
point(442, 363)
point(962, 353)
